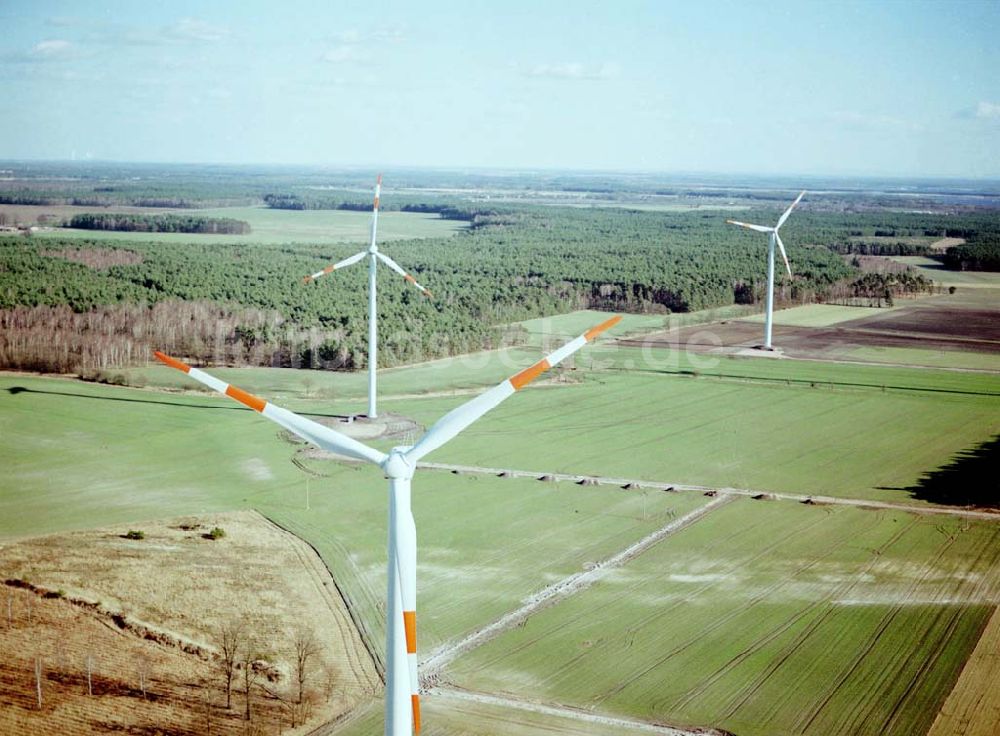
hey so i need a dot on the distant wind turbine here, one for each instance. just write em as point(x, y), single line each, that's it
point(774, 238)
point(375, 256)
point(402, 701)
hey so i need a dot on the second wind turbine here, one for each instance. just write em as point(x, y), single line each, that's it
point(773, 239)
point(374, 256)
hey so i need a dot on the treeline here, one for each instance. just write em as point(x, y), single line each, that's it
point(978, 256)
point(881, 289)
point(862, 248)
point(55, 339)
point(158, 223)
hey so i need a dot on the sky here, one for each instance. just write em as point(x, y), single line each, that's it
point(887, 88)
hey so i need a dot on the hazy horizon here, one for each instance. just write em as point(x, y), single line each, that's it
point(852, 89)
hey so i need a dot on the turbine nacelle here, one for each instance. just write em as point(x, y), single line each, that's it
point(397, 466)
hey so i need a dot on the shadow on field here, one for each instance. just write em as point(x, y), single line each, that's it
point(970, 479)
point(15, 390)
point(805, 382)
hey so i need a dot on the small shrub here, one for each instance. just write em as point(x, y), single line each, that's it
point(135, 534)
point(55, 593)
point(216, 533)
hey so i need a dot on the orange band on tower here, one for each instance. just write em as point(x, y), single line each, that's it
point(410, 624)
point(595, 331)
point(415, 699)
point(529, 374)
point(244, 398)
point(163, 358)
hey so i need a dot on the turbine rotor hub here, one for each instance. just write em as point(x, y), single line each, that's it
point(397, 466)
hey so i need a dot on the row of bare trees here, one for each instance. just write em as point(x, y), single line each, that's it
point(241, 664)
point(59, 340)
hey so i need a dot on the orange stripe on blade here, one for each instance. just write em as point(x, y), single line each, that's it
point(415, 699)
point(529, 374)
point(410, 624)
point(606, 324)
point(329, 269)
point(409, 278)
point(164, 358)
point(244, 398)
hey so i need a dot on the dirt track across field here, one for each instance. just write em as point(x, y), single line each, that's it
point(596, 719)
point(437, 660)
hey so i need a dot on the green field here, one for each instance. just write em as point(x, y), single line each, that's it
point(766, 618)
point(756, 611)
point(819, 315)
point(274, 226)
point(936, 358)
point(784, 432)
point(933, 269)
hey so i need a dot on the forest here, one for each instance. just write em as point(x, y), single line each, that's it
point(126, 222)
point(517, 262)
point(980, 255)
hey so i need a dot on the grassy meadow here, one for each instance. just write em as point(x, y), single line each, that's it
point(275, 227)
point(766, 618)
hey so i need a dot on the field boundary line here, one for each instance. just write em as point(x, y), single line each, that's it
point(438, 659)
point(656, 485)
point(565, 711)
point(348, 604)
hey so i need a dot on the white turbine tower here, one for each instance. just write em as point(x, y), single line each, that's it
point(374, 256)
point(774, 238)
point(402, 703)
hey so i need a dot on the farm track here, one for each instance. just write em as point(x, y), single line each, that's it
point(596, 719)
point(641, 484)
point(437, 660)
point(595, 611)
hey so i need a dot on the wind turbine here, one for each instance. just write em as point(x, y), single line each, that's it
point(375, 256)
point(774, 238)
point(402, 701)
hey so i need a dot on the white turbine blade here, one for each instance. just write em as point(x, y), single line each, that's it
point(758, 228)
point(781, 247)
point(399, 269)
point(323, 437)
point(786, 213)
point(458, 419)
point(351, 260)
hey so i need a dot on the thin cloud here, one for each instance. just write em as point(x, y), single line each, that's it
point(48, 51)
point(195, 30)
point(574, 70)
point(353, 46)
point(988, 111)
